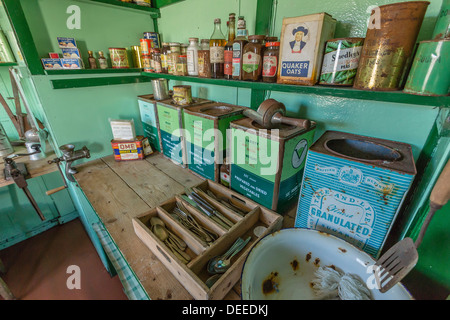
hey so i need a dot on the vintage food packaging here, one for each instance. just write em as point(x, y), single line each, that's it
point(119, 58)
point(53, 55)
point(206, 128)
point(353, 187)
point(150, 121)
point(267, 165)
point(66, 42)
point(71, 53)
point(302, 44)
point(131, 150)
point(123, 129)
point(52, 64)
point(71, 63)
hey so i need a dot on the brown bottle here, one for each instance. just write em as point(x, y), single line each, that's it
point(252, 59)
point(217, 44)
point(238, 48)
point(92, 60)
point(228, 53)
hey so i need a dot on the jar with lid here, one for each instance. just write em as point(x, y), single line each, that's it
point(173, 57)
point(252, 59)
point(270, 61)
point(183, 49)
point(204, 65)
point(181, 66)
point(165, 50)
point(192, 57)
point(157, 60)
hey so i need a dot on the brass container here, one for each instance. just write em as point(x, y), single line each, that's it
point(388, 47)
point(136, 53)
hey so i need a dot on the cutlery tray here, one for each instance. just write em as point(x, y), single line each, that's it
point(245, 215)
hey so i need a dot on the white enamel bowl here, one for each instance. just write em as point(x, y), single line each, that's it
point(281, 266)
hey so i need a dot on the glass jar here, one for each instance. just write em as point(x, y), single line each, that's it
point(165, 50)
point(181, 66)
point(183, 49)
point(252, 59)
point(157, 60)
point(192, 57)
point(204, 65)
point(270, 62)
point(173, 57)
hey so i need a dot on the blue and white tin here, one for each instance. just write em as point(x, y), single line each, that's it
point(353, 187)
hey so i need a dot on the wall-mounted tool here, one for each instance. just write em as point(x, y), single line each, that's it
point(271, 114)
point(18, 172)
point(69, 155)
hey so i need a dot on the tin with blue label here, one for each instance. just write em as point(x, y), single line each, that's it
point(154, 36)
point(353, 187)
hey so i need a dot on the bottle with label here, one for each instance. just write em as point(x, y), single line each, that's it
point(192, 57)
point(252, 59)
point(204, 66)
point(270, 62)
point(225, 173)
point(173, 57)
point(228, 51)
point(102, 61)
point(157, 60)
point(217, 44)
point(92, 60)
point(238, 48)
point(181, 66)
point(165, 50)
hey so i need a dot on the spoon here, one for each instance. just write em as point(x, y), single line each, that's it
point(162, 235)
point(212, 262)
point(156, 220)
point(211, 280)
point(224, 264)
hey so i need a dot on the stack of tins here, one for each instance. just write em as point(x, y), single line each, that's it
point(206, 136)
point(170, 116)
point(267, 165)
point(353, 187)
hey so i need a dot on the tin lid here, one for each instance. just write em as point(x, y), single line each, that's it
point(215, 110)
point(193, 39)
point(174, 44)
point(165, 44)
point(272, 44)
point(257, 37)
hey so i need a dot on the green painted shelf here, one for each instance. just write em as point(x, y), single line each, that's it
point(91, 71)
point(8, 64)
point(339, 92)
point(154, 12)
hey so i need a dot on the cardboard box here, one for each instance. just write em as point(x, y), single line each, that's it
point(66, 42)
point(71, 63)
point(52, 64)
point(71, 53)
point(131, 150)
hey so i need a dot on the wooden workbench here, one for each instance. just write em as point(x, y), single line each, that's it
point(120, 191)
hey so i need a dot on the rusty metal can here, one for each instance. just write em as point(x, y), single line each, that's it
point(429, 73)
point(389, 45)
point(119, 58)
point(442, 26)
point(340, 61)
point(182, 95)
point(146, 45)
point(136, 50)
point(154, 36)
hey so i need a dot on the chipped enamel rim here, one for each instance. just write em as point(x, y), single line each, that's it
point(324, 249)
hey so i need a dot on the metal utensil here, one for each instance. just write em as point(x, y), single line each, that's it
point(396, 263)
point(222, 265)
point(235, 247)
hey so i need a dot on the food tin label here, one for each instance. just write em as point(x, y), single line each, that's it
point(119, 58)
point(154, 37)
point(270, 64)
point(146, 44)
point(236, 59)
point(250, 62)
point(228, 64)
point(216, 54)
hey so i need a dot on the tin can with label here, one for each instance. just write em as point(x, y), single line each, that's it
point(340, 61)
point(442, 26)
point(154, 36)
point(119, 58)
point(147, 63)
point(429, 75)
point(146, 45)
point(136, 50)
point(182, 95)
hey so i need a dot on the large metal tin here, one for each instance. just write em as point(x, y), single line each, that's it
point(442, 26)
point(206, 128)
point(353, 187)
point(430, 72)
point(267, 166)
point(150, 121)
point(387, 49)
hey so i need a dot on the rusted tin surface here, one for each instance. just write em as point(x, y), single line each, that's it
point(442, 26)
point(353, 187)
point(430, 75)
point(387, 49)
point(182, 95)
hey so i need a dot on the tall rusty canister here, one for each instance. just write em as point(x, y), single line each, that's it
point(389, 45)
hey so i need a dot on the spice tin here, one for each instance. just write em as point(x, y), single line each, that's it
point(119, 58)
point(340, 61)
point(154, 37)
point(429, 73)
point(170, 117)
point(442, 26)
point(150, 121)
point(389, 46)
point(146, 44)
point(302, 46)
point(353, 187)
point(131, 150)
point(206, 136)
point(137, 60)
point(182, 95)
point(267, 165)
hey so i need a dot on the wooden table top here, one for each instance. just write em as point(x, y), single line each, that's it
point(120, 191)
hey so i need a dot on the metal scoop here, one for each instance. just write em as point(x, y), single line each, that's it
point(396, 263)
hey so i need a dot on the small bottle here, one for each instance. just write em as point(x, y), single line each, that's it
point(165, 50)
point(238, 48)
point(270, 62)
point(204, 65)
point(252, 59)
point(228, 51)
point(92, 60)
point(192, 57)
point(173, 57)
point(102, 61)
point(217, 44)
point(225, 173)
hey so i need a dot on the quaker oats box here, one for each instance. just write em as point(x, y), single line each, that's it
point(302, 44)
point(353, 187)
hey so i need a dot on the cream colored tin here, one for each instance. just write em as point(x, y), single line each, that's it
point(119, 58)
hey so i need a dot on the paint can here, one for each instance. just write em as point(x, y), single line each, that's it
point(119, 58)
point(340, 61)
point(389, 46)
point(146, 44)
point(429, 75)
point(442, 26)
point(154, 36)
point(182, 95)
point(137, 60)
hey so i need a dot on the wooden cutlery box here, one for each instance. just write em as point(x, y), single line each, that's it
point(194, 274)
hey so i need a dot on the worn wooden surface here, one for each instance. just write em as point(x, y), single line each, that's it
point(120, 191)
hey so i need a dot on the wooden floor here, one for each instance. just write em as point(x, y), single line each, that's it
point(37, 267)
